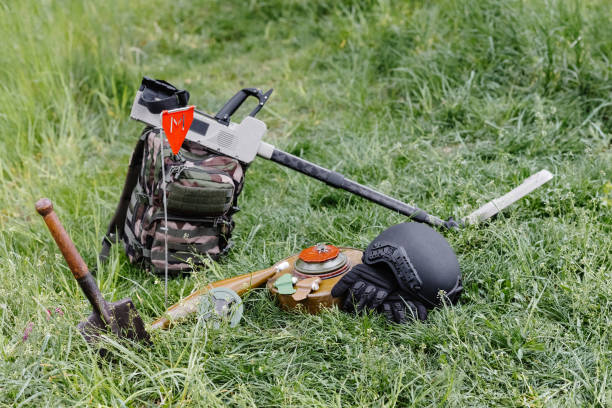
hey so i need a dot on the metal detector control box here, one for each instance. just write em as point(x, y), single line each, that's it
point(242, 141)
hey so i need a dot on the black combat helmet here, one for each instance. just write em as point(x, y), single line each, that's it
point(420, 258)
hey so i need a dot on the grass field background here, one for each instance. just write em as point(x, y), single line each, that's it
point(443, 104)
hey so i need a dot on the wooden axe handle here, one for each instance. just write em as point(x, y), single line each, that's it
point(62, 239)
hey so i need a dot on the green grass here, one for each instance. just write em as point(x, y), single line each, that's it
point(443, 104)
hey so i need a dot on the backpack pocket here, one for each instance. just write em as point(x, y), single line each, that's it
point(199, 191)
point(188, 241)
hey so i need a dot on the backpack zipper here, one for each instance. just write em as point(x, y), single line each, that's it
point(209, 220)
point(176, 171)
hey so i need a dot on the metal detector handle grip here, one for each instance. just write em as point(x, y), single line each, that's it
point(337, 180)
point(237, 100)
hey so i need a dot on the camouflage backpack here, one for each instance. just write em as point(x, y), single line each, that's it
point(202, 192)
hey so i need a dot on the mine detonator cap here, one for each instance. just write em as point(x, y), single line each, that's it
point(421, 260)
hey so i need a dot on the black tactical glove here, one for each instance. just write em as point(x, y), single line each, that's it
point(399, 308)
point(364, 286)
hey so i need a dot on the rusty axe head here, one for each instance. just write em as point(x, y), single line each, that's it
point(119, 318)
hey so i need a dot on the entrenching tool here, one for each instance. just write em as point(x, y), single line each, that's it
point(243, 141)
point(119, 318)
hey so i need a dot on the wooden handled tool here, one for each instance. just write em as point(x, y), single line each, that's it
point(239, 284)
point(120, 318)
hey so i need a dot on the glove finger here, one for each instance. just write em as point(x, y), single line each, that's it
point(411, 309)
point(353, 295)
point(421, 311)
point(380, 297)
point(344, 284)
point(365, 298)
point(377, 276)
point(417, 309)
point(399, 312)
point(387, 311)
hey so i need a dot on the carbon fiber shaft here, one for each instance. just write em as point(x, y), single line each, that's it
point(337, 180)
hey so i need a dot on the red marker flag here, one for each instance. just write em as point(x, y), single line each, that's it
point(176, 124)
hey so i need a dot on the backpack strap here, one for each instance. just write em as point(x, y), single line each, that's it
point(116, 226)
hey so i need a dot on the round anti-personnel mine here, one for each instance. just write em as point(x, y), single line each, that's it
point(313, 272)
point(221, 305)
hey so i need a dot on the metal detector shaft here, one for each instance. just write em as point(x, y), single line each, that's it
point(337, 180)
point(243, 141)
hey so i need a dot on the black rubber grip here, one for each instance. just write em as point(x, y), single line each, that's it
point(231, 106)
point(337, 180)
